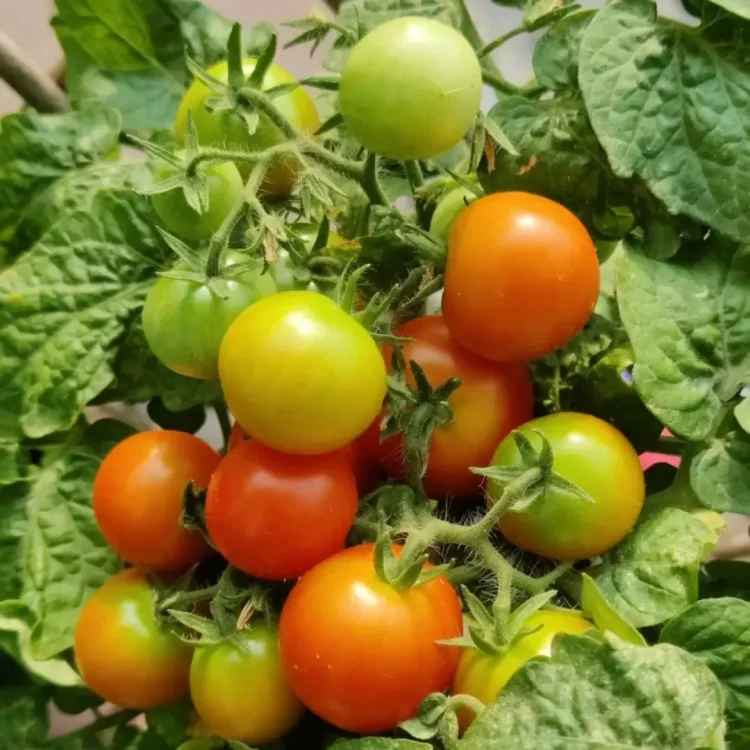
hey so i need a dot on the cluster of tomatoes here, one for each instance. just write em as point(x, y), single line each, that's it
point(307, 384)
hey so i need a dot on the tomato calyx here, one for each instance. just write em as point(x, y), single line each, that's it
point(437, 717)
point(542, 459)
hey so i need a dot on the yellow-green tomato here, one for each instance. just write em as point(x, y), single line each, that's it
point(411, 88)
point(596, 457)
point(224, 187)
point(239, 689)
point(228, 130)
point(185, 321)
point(447, 211)
point(300, 374)
point(485, 675)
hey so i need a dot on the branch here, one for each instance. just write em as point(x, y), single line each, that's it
point(36, 88)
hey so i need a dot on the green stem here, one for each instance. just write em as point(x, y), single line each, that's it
point(115, 719)
point(186, 598)
point(414, 175)
point(456, 702)
point(220, 155)
point(500, 41)
point(500, 83)
point(221, 237)
point(222, 414)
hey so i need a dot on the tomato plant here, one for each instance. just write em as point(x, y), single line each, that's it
point(224, 187)
point(239, 689)
point(123, 652)
point(374, 682)
point(138, 494)
point(185, 321)
point(226, 129)
point(522, 277)
point(484, 675)
point(298, 353)
point(599, 460)
point(401, 97)
point(447, 210)
point(492, 400)
point(273, 515)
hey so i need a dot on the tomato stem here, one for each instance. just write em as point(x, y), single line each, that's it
point(115, 719)
point(500, 41)
point(456, 702)
point(185, 598)
point(222, 414)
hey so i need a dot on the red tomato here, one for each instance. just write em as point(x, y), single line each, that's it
point(275, 515)
point(123, 653)
point(492, 400)
point(138, 494)
point(361, 654)
point(522, 277)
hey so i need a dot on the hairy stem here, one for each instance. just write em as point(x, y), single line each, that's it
point(34, 87)
point(500, 41)
point(185, 598)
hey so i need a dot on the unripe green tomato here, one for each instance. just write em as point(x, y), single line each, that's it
point(447, 211)
point(228, 130)
point(224, 188)
point(184, 321)
point(411, 88)
point(239, 689)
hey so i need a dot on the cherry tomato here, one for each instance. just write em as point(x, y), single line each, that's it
point(138, 494)
point(239, 689)
point(599, 460)
point(361, 654)
point(301, 375)
point(447, 211)
point(228, 130)
point(185, 321)
point(123, 653)
point(224, 188)
point(522, 277)
point(275, 515)
point(493, 399)
point(485, 675)
point(411, 88)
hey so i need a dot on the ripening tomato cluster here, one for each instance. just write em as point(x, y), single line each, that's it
point(306, 384)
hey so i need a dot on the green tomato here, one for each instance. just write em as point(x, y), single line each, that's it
point(485, 675)
point(411, 88)
point(184, 321)
point(224, 188)
point(447, 211)
point(228, 130)
point(593, 455)
point(239, 689)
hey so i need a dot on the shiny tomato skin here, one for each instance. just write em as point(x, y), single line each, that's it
point(485, 675)
point(493, 399)
point(411, 88)
point(239, 689)
point(224, 188)
point(138, 494)
point(522, 277)
point(124, 655)
point(300, 375)
point(227, 130)
point(593, 455)
point(361, 654)
point(274, 515)
point(184, 322)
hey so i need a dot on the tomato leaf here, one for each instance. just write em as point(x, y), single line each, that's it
point(51, 551)
point(742, 414)
point(23, 715)
point(716, 631)
point(595, 605)
point(556, 54)
point(738, 7)
point(36, 151)
point(691, 148)
point(689, 331)
point(63, 306)
point(379, 743)
point(652, 574)
point(606, 691)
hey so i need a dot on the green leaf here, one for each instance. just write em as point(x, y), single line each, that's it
point(23, 717)
point(51, 552)
point(556, 54)
point(742, 414)
point(716, 631)
point(652, 574)
point(15, 462)
point(379, 743)
point(17, 621)
point(721, 578)
point(691, 336)
point(541, 13)
point(738, 7)
point(604, 694)
point(37, 150)
point(140, 377)
point(670, 104)
point(720, 473)
point(63, 306)
point(595, 605)
point(187, 420)
point(171, 722)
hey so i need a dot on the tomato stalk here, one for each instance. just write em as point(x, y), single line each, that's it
point(222, 414)
point(500, 41)
point(116, 719)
